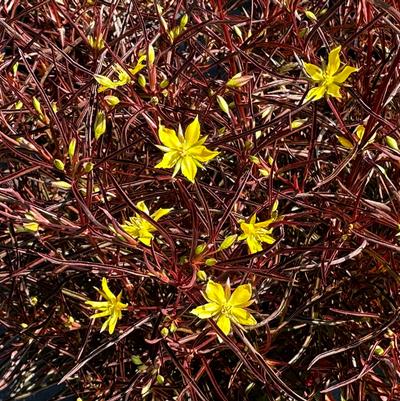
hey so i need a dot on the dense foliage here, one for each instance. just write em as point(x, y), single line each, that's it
point(156, 156)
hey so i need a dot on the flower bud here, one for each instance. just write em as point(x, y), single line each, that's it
point(59, 165)
point(223, 105)
point(71, 148)
point(391, 142)
point(100, 124)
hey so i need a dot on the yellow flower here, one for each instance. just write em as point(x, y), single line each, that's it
point(138, 227)
point(330, 78)
point(257, 233)
point(225, 307)
point(187, 152)
point(112, 307)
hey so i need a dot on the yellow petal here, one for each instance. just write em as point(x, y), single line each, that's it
point(253, 219)
point(192, 132)
point(360, 131)
point(145, 237)
point(264, 224)
point(344, 74)
point(97, 304)
point(160, 213)
point(242, 316)
point(215, 293)
point(105, 324)
point(241, 296)
point(207, 310)
point(105, 81)
point(315, 93)
point(177, 167)
point(333, 61)
point(189, 168)
point(101, 314)
point(168, 137)
point(224, 324)
point(139, 66)
point(106, 290)
point(202, 154)
point(112, 323)
point(227, 290)
point(265, 237)
point(253, 244)
point(169, 160)
point(142, 207)
point(344, 142)
point(334, 90)
point(313, 71)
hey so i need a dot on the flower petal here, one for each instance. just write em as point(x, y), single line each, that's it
point(192, 132)
point(142, 207)
point(333, 61)
point(242, 316)
point(202, 154)
point(334, 90)
point(145, 237)
point(215, 293)
point(264, 224)
point(224, 324)
point(313, 71)
point(340, 77)
point(97, 304)
point(160, 213)
point(100, 314)
point(105, 324)
point(315, 93)
point(168, 137)
point(169, 160)
point(253, 244)
point(189, 168)
point(207, 310)
point(112, 323)
point(268, 239)
point(241, 296)
point(104, 285)
point(177, 167)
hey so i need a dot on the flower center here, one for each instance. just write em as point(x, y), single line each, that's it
point(226, 309)
point(328, 79)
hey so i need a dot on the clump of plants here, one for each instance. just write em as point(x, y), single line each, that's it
point(199, 200)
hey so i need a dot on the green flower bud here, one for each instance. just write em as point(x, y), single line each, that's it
point(223, 105)
point(100, 124)
point(71, 148)
point(61, 185)
point(59, 165)
point(141, 80)
point(227, 242)
point(211, 262)
point(392, 143)
point(201, 275)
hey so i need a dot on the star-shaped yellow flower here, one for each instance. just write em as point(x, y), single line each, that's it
point(112, 307)
point(329, 78)
point(225, 307)
point(185, 152)
point(140, 228)
point(257, 233)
